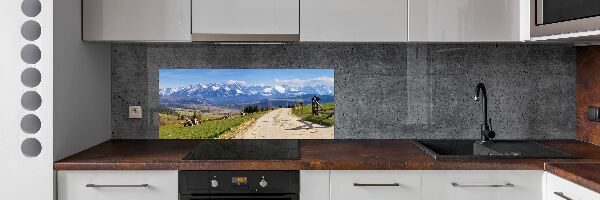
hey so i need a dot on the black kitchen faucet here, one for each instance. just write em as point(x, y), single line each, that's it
point(486, 128)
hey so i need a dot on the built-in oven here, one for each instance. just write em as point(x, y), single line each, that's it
point(238, 185)
point(553, 17)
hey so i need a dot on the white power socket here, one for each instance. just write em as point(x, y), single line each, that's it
point(135, 112)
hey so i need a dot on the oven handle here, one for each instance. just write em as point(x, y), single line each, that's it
point(245, 196)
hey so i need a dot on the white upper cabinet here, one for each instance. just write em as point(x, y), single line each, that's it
point(468, 20)
point(136, 20)
point(245, 20)
point(353, 20)
point(307, 20)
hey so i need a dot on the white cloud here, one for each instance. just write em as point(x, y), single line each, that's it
point(236, 81)
point(324, 80)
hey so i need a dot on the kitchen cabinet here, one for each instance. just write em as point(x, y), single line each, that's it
point(560, 189)
point(353, 20)
point(482, 185)
point(245, 20)
point(314, 185)
point(468, 20)
point(117, 185)
point(137, 20)
point(375, 184)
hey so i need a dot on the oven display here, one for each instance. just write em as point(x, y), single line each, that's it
point(239, 181)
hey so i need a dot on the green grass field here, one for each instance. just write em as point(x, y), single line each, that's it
point(189, 113)
point(305, 114)
point(173, 129)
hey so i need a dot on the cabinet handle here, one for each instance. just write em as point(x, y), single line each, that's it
point(560, 194)
point(376, 184)
point(499, 185)
point(115, 186)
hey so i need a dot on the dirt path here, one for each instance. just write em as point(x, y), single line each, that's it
point(282, 124)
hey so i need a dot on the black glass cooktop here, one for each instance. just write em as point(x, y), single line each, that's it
point(243, 149)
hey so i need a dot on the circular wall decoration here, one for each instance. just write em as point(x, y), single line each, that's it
point(31, 77)
point(31, 147)
point(31, 100)
point(31, 30)
point(31, 8)
point(31, 124)
point(31, 54)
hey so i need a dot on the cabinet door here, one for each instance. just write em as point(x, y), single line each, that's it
point(560, 189)
point(136, 20)
point(468, 20)
point(314, 185)
point(482, 185)
point(354, 20)
point(376, 185)
point(245, 17)
point(117, 185)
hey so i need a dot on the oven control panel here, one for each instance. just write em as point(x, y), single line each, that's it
point(231, 182)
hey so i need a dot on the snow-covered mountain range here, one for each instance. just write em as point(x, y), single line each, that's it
point(239, 94)
point(224, 90)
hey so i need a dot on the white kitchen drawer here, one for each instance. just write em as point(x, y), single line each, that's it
point(567, 189)
point(482, 185)
point(343, 185)
point(162, 185)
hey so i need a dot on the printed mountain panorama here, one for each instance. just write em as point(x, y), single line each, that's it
point(237, 96)
point(246, 104)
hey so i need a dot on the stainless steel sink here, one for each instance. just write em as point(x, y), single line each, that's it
point(471, 149)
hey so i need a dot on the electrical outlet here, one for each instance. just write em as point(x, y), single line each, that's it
point(135, 112)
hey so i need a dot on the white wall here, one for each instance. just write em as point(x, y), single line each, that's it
point(82, 75)
point(21, 177)
point(73, 75)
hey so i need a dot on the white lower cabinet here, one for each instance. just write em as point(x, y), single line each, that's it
point(341, 185)
point(482, 185)
point(314, 185)
point(560, 189)
point(375, 185)
point(117, 185)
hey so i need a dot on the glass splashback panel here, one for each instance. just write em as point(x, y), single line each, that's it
point(246, 103)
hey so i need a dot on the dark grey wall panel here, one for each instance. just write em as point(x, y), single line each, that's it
point(382, 90)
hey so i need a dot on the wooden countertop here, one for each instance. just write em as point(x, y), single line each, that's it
point(331, 155)
point(314, 154)
point(584, 174)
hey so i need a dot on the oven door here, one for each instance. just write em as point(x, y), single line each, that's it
point(553, 17)
point(241, 197)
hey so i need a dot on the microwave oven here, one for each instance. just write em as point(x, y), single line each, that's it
point(555, 17)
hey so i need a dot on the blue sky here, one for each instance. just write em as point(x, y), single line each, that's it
point(169, 78)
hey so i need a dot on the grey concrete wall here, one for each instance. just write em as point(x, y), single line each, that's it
point(382, 90)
